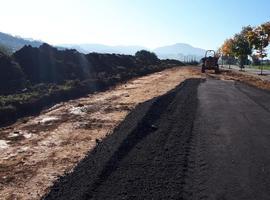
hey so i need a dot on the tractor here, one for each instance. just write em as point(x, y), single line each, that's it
point(210, 61)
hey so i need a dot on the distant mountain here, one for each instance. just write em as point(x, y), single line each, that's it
point(182, 48)
point(15, 43)
point(179, 51)
point(100, 48)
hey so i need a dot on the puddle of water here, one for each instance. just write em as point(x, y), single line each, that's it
point(3, 144)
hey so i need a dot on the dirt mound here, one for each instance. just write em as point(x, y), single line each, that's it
point(47, 64)
point(54, 75)
point(11, 76)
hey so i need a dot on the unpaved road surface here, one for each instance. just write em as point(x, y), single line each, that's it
point(206, 139)
point(35, 151)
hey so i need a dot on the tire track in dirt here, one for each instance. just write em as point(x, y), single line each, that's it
point(196, 174)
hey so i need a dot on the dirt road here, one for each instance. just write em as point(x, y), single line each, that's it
point(206, 139)
point(35, 151)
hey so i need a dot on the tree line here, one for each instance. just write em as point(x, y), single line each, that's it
point(251, 41)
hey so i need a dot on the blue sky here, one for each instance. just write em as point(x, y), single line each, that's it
point(150, 23)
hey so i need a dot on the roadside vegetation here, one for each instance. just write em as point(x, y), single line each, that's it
point(251, 43)
point(260, 66)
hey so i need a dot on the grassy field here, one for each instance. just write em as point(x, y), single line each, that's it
point(259, 67)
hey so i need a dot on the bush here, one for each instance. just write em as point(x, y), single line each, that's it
point(147, 57)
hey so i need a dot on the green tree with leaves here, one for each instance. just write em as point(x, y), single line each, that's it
point(146, 57)
point(226, 51)
point(241, 47)
point(266, 29)
point(259, 39)
point(251, 41)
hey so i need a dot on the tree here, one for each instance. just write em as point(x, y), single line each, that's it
point(266, 29)
point(227, 51)
point(242, 44)
point(255, 60)
point(259, 40)
point(241, 48)
point(246, 30)
point(146, 57)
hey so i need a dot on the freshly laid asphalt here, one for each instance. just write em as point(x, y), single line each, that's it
point(206, 139)
point(234, 122)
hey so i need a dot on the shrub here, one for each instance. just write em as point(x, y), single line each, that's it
point(146, 57)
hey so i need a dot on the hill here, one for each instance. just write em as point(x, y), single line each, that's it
point(100, 48)
point(15, 43)
point(179, 51)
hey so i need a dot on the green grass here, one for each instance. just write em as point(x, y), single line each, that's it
point(20, 98)
point(259, 67)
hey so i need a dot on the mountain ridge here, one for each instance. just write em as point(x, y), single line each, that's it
point(178, 51)
point(102, 48)
point(175, 51)
point(14, 43)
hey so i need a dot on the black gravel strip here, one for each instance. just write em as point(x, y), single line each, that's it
point(146, 157)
